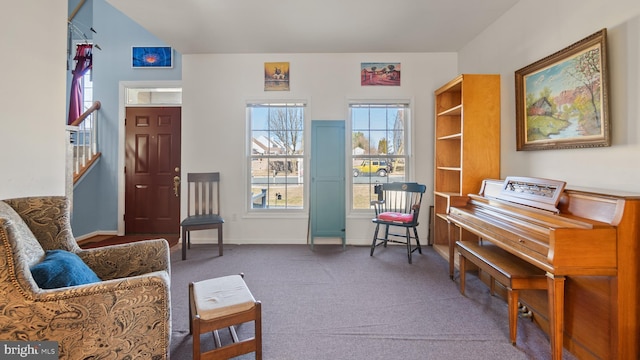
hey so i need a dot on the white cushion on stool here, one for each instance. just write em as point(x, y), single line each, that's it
point(222, 296)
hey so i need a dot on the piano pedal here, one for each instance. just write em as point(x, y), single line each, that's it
point(524, 312)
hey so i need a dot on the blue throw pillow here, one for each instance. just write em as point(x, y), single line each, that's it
point(61, 268)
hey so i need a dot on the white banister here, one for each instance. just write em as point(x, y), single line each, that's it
point(83, 142)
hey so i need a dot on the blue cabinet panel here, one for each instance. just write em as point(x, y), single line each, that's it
point(327, 194)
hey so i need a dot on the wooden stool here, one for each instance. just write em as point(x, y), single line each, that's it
point(222, 303)
point(507, 269)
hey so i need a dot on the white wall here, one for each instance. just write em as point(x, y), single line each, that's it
point(531, 31)
point(33, 87)
point(217, 87)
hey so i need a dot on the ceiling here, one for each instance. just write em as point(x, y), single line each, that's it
point(314, 26)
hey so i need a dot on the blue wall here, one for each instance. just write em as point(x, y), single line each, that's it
point(95, 198)
point(83, 20)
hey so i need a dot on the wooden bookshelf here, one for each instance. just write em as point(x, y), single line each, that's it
point(467, 144)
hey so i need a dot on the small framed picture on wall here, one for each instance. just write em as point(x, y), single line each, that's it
point(146, 57)
point(379, 74)
point(276, 76)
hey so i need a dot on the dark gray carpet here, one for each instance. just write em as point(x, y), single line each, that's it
point(338, 304)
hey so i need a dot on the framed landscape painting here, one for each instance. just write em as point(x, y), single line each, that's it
point(562, 100)
point(379, 74)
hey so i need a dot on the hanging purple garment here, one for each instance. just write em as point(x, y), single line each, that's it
point(83, 60)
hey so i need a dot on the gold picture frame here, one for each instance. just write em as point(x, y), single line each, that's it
point(562, 100)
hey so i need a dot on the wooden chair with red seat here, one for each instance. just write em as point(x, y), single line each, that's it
point(398, 205)
point(203, 208)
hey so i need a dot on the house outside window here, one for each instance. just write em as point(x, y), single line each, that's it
point(276, 159)
point(379, 148)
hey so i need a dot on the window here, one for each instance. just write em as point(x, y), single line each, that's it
point(82, 138)
point(87, 91)
point(379, 147)
point(276, 155)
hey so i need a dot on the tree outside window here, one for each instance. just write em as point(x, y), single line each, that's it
point(378, 144)
point(277, 154)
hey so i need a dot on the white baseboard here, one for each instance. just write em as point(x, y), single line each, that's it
point(96, 233)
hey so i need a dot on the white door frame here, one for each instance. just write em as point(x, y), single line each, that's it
point(122, 105)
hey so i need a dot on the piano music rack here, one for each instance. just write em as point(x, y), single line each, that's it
point(540, 193)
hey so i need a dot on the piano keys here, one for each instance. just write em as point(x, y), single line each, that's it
point(586, 241)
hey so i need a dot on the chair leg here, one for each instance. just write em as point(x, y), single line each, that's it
point(190, 308)
point(258, 330)
point(415, 232)
point(196, 339)
point(184, 244)
point(220, 240)
point(386, 235)
point(375, 239)
point(408, 244)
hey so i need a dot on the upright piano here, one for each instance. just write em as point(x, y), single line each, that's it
point(587, 242)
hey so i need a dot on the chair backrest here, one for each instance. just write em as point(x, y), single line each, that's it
point(49, 218)
point(203, 193)
point(28, 227)
point(400, 197)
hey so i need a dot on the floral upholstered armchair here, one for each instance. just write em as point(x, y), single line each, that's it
point(124, 315)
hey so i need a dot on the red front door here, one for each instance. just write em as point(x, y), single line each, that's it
point(152, 168)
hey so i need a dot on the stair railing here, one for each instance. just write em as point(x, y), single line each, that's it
point(83, 143)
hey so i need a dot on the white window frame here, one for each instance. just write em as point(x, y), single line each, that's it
point(351, 157)
point(303, 160)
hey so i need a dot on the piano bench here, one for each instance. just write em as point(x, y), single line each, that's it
point(505, 268)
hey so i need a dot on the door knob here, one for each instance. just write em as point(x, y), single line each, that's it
point(176, 185)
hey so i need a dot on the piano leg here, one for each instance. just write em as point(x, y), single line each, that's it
point(452, 244)
point(556, 314)
point(512, 301)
